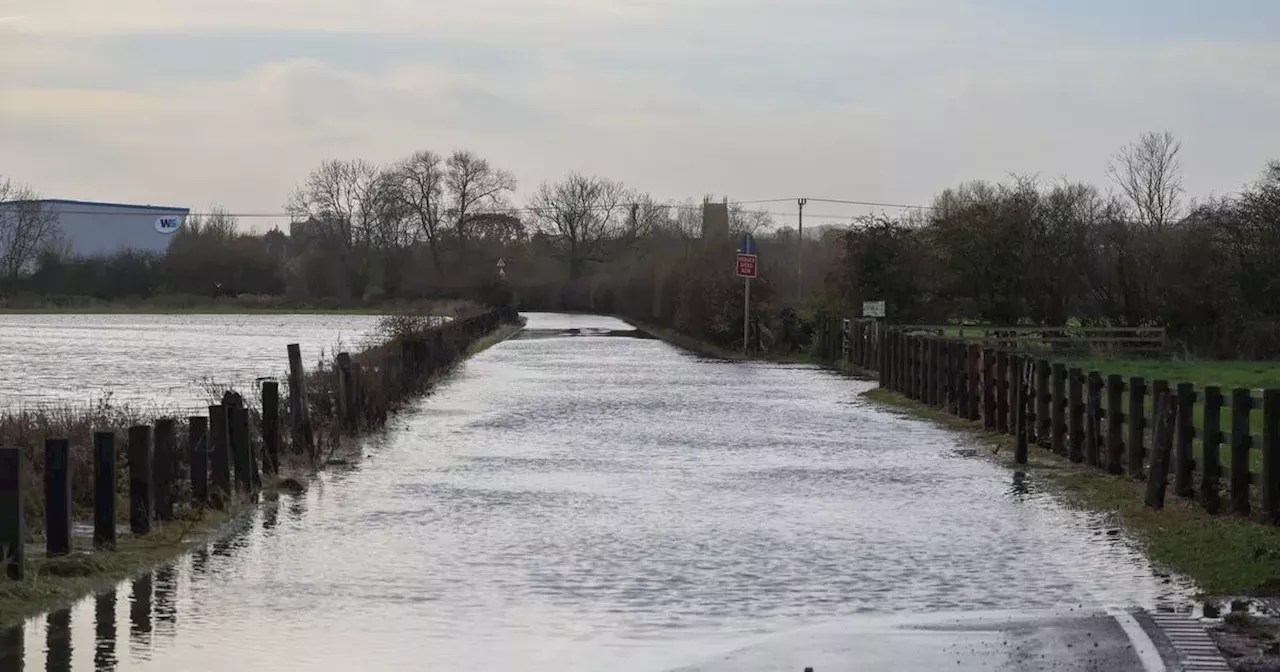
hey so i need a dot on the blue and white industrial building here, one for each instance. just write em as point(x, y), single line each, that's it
point(91, 228)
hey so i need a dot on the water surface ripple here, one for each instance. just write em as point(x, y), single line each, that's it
point(590, 502)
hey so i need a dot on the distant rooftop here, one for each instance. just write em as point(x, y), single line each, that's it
point(99, 204)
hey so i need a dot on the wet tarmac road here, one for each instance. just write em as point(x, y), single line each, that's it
point(592, 502)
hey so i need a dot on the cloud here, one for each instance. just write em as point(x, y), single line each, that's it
point(231, 102)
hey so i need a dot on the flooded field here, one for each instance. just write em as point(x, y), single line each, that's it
point(156, 360)
point(577, 499)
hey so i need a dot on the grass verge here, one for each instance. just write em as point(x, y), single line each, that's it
point(1223, 555)
point(502, 333)
point(54, 582)
point(692, 344)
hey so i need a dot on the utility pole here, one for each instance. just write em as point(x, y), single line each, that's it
point(800, 250)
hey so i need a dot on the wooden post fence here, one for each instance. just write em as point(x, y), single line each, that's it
point(1075, 413)
point(140, 487)
point(198, 457)
point(57, 497)
point(166, 444)
point(1134, 450)
point(1210, 441)
point(104, 490)
point(1241, 443)
point(13, 527)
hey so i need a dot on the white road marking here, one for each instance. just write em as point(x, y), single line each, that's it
point(1142, 644)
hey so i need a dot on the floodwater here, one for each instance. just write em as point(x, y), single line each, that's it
point(156, 361)
point(568, 500)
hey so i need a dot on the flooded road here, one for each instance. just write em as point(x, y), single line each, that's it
point(571, 501)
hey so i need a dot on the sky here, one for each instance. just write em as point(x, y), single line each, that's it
point(230, 103)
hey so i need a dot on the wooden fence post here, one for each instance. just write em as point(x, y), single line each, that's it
point(57, 497)
point(917, 368)
point(973, 379)
point(1183, 458)
point(1271, 455)
point(952, 350)
point(13, 527)
point(1075, 414)
point(1165, 415)
point(1058, 411)
point(1093, 411)
point(988, 389)
point(241, 450)
point(1241, 443)
point(1020, 410)
point(271, 427)
point(1044, 395)
point(1134, 450)
point(299, 408)
point(166, 442)
point(1115, 424)
point(357, 394)
point(104, 490)
point(219, 456)
point(1002, 391)
point(935, 371)
point(343, 391)
point(882, 360)
point(198, 457)
point(1210, 461)
point(140, 486)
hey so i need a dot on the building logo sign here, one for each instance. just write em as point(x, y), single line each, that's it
point(168, 223)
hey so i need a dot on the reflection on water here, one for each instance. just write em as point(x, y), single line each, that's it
point(58, 641)
point(104, 613)
point(604, 503)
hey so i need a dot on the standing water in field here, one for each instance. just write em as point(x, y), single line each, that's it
point(158, 361)
point(573, 499)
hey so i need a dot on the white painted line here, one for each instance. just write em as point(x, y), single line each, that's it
point(1142, 644)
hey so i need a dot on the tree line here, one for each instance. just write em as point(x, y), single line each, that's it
point(1024, 252)
point(433, 225)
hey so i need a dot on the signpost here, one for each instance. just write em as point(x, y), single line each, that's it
point(747, 259)
point(502, 268)
point(873, 309)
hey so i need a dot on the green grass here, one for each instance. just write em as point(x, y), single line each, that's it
point(1226, 375)
point(1223, 555)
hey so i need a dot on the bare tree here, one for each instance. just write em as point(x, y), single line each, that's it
point(26, 228)
point(339, 201)
point(218, 224)
point(743, 221)
point(1150, 175)
point(393, 231)
point(474, 187)
point(585, 218)
point(421, 188)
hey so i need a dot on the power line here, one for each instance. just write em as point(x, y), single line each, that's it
point(872, 204)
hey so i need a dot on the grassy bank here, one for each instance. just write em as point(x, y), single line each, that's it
point(706, 349)
point(54, 582)
point(1225, 556)
point(407, 364)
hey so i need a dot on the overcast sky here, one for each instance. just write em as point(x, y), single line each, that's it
point(231, 102)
